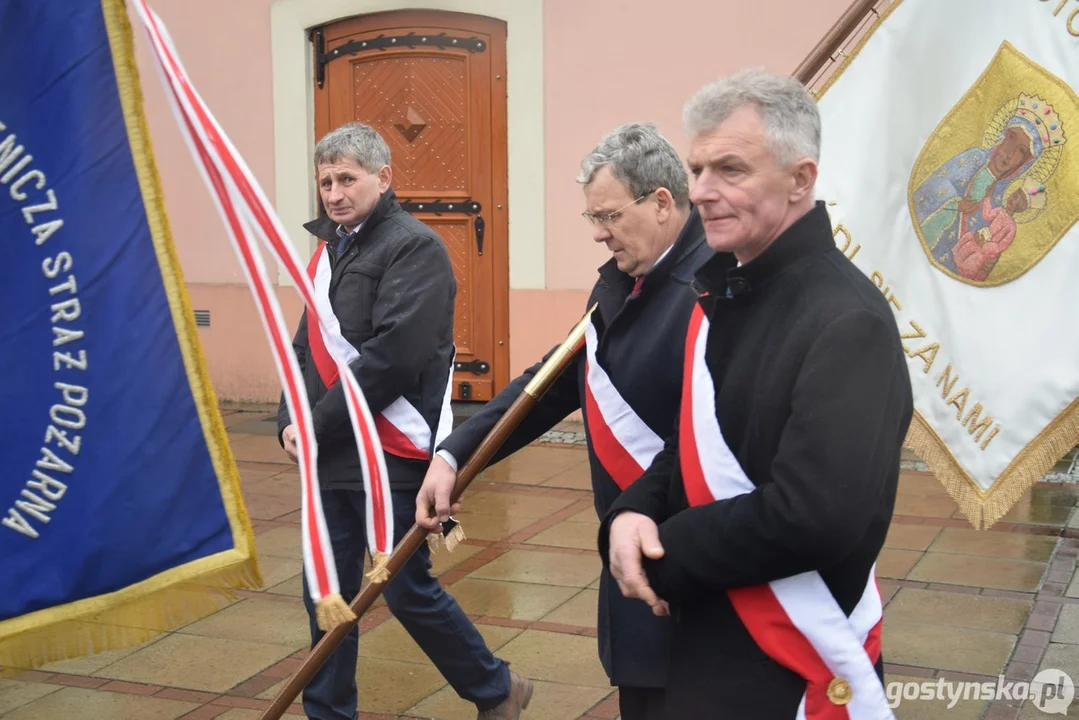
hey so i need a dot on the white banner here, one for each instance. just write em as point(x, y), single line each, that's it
point(950, 164)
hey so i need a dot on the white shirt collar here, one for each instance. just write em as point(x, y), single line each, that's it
point(659, 260)
point(341, 232)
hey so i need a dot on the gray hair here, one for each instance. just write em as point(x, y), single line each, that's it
point(354, 141)
point(790, 114)
point(641, 159)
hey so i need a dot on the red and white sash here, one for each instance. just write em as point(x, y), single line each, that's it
point(401, 428)
point(623, 443)
point(796, 621)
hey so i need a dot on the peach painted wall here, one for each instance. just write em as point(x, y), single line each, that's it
point(235, 347)
point(608, 62)
point(605, 62)
point(225, 48)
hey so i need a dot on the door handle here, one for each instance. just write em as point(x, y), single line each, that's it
point(480, 227)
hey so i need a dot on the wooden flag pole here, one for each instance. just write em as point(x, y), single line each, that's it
point(416, 536)
point(847, 23)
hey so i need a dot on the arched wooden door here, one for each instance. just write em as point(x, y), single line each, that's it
point(434, 86)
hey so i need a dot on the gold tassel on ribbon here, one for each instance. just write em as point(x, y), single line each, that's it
point(380, 571)
point(454, 536)
point(434, 540)
point(332, 611)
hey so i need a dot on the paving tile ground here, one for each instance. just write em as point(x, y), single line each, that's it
point(960, 606)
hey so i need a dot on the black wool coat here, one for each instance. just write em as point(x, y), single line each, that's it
point(813, 396)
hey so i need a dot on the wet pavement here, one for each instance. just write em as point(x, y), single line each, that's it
point(962, 605)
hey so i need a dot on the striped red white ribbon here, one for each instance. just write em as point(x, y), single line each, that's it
point(247, 212)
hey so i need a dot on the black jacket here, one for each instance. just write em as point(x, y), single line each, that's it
point(393, 292)
point(640, 343)
point(814, 398)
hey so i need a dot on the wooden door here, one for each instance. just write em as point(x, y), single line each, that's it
point(433, 84)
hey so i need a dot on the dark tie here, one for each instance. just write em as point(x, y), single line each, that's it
point(343, 243)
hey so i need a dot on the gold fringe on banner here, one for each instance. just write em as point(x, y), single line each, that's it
point(126, 617)
point(196, 589)
point(984, 509)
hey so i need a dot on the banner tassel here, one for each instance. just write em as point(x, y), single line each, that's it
point(380, 571)
point(332, 611)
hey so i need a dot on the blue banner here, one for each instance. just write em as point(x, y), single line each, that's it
point(116, 480)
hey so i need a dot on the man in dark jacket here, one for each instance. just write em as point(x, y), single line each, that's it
point(759, 525)
point(627, 380)
point(390, 284)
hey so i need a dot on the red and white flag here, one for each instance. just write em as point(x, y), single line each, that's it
point(247, 212)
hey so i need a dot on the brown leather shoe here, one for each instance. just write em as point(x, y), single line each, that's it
point(518, 699)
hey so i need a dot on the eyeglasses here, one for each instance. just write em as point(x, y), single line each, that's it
point(609, 218)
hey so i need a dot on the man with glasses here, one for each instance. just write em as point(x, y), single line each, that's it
point(627, 382)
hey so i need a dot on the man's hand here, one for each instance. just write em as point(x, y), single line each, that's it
point(633, 535)
point(288, 435)
point(433, 501)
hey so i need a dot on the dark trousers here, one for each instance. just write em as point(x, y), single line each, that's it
point(640, 703)
point(429, 614)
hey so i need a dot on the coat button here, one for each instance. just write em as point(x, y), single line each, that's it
point(839, 691)
point(738, 285)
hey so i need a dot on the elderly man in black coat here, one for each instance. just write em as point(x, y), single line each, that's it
point(759, 525)
point(626, 383)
